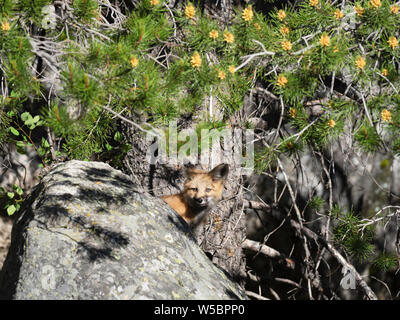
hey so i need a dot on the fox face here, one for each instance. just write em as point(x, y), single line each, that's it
point(203, 189)
point(201, 192)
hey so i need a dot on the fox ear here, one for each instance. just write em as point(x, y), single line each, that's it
point(220, 172)
point(190, 170)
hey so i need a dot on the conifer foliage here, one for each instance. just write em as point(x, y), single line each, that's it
point(72, 70)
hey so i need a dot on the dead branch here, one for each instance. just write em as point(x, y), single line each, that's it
point(267, 251)
point(255, 295)
point(256, 205)
point(255, 246)
point(335, 253)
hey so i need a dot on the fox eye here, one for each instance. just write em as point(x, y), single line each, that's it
point(208, 190)
point(193, 189)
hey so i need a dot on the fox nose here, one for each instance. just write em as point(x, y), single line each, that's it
point(200, 200)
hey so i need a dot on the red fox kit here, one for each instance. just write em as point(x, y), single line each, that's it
point(201, 192)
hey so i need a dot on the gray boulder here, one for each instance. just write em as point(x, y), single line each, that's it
point(85, 232)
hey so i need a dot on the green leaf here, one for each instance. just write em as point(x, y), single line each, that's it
point(20, 147)
point(20, 144)
point(108, 147)
point(10, 194)
point(41, 151)
point(118, 136)
point(29, 121)
point(126, 147)
point(11, 209)
point(18, 190)
point(14, 131)
point(26, 116)
point(45, 143)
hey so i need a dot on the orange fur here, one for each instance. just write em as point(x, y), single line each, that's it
point(201, 192)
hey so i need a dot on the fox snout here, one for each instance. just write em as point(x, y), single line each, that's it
point(205, 201)
point(201, 201)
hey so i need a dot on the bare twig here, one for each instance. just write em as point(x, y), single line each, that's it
point(359, 280)
point(255, 295)
point(267, 251)
point(128, 121)
point(256, 205)
point(384, 284)
point(318, 239)
point(288, 281)
point(378, 217)
point(366, 109)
